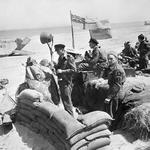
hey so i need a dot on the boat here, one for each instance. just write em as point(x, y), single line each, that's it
point(147, 22)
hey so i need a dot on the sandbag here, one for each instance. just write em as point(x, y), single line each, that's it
point(30, 94)
point(95, 118)
point(79, 144)
point(22, 118)
point(98, 143)
point(100, 134)
point(27, 114)
point(27, 102)
point(86, 132)
point(46, 108)
point(61, 117)
point(41, 87)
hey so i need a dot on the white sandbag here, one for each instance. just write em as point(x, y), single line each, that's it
point(100, 134)
point(98, 143)
point(86, 132)
point(31, 95)
point(95, 118)
point(79, 144)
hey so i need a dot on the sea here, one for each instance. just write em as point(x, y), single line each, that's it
point(121, 32)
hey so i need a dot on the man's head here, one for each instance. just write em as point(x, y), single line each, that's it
point(127, 44)
point(141, 38)
point(112, 58)
point(59, 48)
point(93, 43)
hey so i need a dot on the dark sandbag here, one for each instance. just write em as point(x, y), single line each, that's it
point(135, 99)
point(46, 107)
point(100, 134)
point(61, 117)
point(52, 129)
point(25, 106)
point(86, 132)
point(31, 95)
point(27, 102)
point(39, 126)
point(36, 130)
point(27, 113)
point(98, 143)
point(23, 118)
point(95, 118)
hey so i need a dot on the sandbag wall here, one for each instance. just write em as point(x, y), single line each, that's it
point(64, 132)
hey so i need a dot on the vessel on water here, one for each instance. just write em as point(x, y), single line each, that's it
point(147, 22)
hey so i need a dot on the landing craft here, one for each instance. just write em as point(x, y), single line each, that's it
point(147, 22)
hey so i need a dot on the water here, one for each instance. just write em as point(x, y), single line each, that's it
point(121, 32)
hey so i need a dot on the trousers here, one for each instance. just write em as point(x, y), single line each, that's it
point(66, 90)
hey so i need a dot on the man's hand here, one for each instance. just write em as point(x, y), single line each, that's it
point(107, 100)
point(59, 71)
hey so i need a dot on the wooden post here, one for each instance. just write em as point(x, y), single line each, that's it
point(72, 32)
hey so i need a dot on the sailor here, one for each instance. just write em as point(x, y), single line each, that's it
point(94, 58)
point(65, 70)
point(129, 54)
point(144, 52)
point(116, 79)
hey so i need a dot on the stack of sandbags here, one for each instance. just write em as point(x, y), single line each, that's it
point(59, 127)
point(45, 118)
point(95, 135)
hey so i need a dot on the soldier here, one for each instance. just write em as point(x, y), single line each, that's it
point(144, 52)
point(65, 69)
point(116, 79)
point(94, 59)
point(129, 54)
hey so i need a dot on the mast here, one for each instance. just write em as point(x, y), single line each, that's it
point(72, 32)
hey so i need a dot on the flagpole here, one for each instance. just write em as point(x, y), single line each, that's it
point(73, 45)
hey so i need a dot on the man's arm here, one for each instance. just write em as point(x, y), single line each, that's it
point(115, 87)
point(95, 57)
point(71, 66)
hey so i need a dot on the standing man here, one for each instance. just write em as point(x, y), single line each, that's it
point(144, 52)
point(116, 79)
point(65, 69)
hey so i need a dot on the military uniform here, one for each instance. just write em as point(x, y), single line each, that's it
point(132, 53)
point(116, 79)
point(67, 64)
point(94, 60)
point(143, 49)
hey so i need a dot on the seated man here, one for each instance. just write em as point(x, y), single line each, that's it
point(129, 54)
point(93, 59)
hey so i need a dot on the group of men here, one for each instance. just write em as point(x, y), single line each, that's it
point(137, 57)
point(66, 68)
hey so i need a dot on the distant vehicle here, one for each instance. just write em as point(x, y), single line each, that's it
point(147, 22)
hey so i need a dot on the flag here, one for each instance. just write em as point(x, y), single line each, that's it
point(77, 19)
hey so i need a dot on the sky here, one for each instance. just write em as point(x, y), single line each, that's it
point(18, 14)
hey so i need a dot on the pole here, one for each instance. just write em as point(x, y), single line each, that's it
point(73, 45)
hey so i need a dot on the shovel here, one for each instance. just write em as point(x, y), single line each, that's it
point(46, 38)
